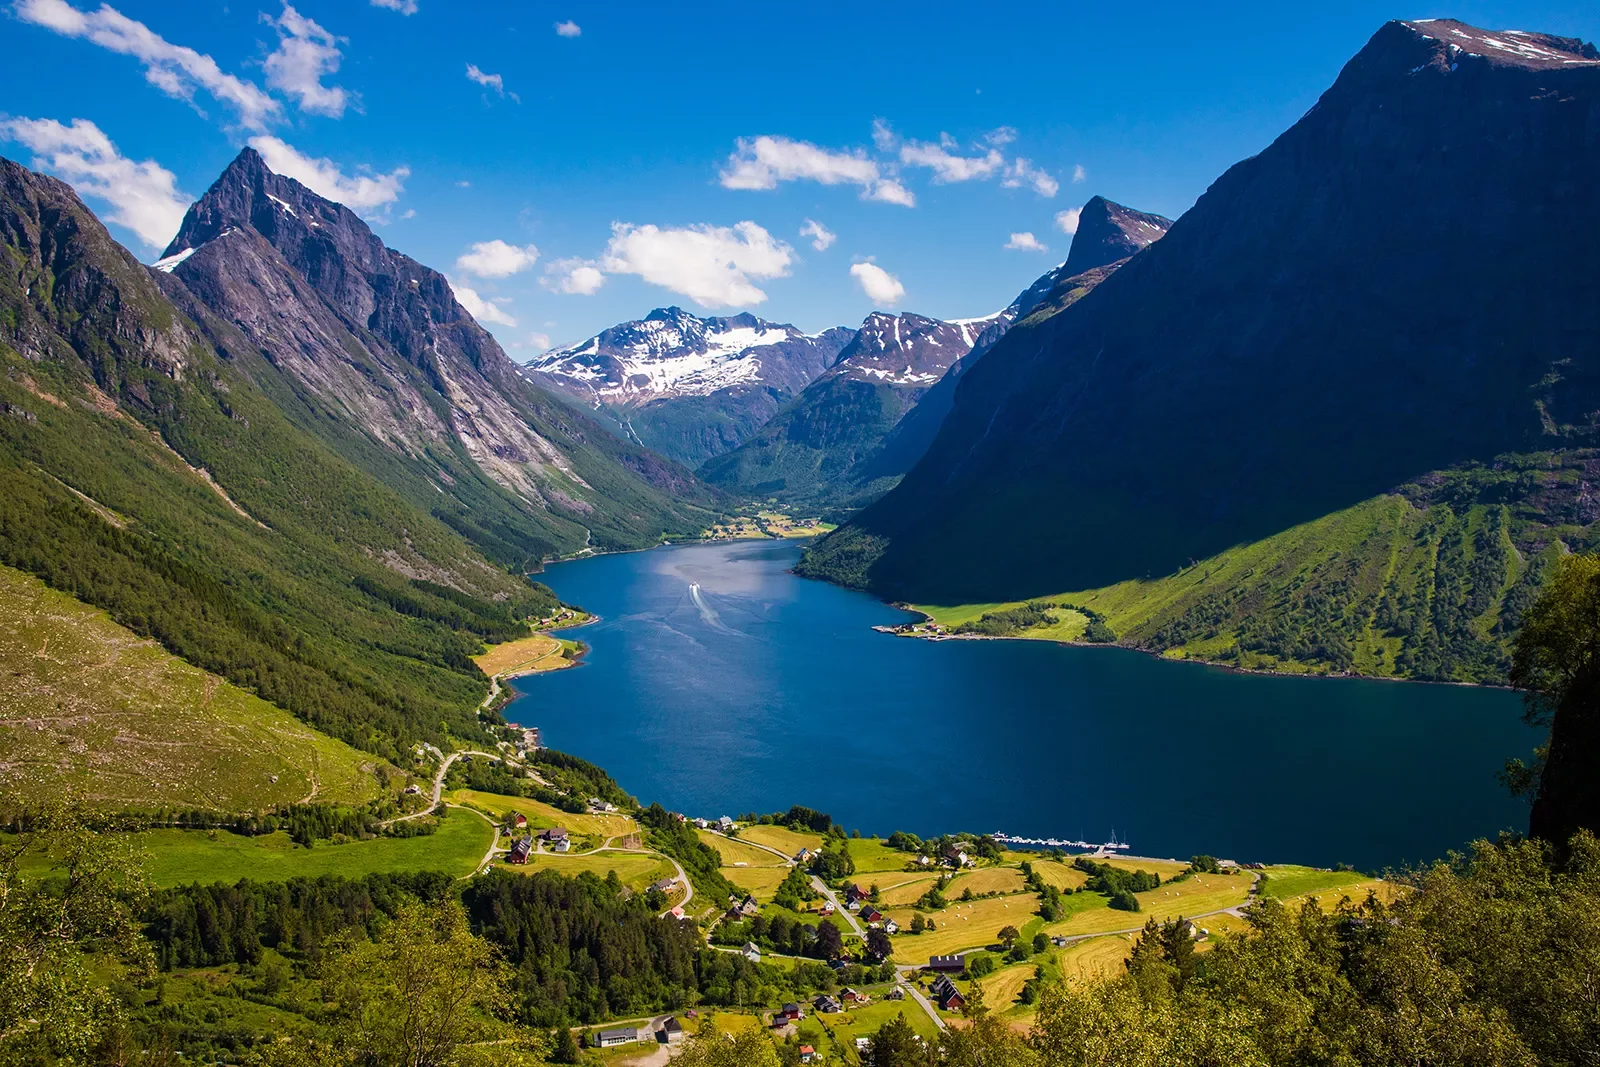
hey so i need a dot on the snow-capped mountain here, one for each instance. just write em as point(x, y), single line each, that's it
point(909, 349)
point(689, 387)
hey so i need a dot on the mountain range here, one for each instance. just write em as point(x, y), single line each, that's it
point(1393, 288)
point(689, 388)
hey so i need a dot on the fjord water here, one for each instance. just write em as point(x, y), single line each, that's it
point(719, 683)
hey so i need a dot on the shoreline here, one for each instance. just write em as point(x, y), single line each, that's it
point(1161, 656)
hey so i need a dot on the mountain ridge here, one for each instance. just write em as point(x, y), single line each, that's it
point(1305, 300)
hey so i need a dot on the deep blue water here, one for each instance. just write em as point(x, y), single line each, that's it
point(758, 690)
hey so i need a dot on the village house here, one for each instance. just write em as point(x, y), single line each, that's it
point(621, 1035)
point(853, 894)
point(518, 819)
point(854, 996)
point(891, 927)
point(947, 995)
point(791, 1012)
point(827, 908)
point(826, 1005)
point(804, 856)
point(751, 952)
point(677, 912)
point(870, 914)
point(665, 885)
point(954, 963)
point(957, 857)
point(701, 824)
point(555, 839)
point(897, 993)
point(725, 824)
point(520, 850)
point(807, 1054)
point(748, 907)
point(671, 1032)
point(413, 789)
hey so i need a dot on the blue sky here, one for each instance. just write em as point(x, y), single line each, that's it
point(612, 149)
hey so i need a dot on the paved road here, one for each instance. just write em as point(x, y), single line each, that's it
point(822, 887)
point(916, 995)
point(438, 785)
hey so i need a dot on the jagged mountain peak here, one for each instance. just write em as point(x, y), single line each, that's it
point(1108, 231)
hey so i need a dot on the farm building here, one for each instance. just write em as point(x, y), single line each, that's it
point(947, 963)
point(621, 1035)
point(520, 850)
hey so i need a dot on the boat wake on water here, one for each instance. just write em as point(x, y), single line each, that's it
point(708, 614)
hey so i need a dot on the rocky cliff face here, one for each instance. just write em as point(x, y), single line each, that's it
point(1394, 286)
point(370, 338)
point(688, 387)
point(1108, 232)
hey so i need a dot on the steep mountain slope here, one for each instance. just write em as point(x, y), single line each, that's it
point(145, 474)
point(90, 711)
point(371, 351)
point(1108, 234)
point(1395, 286)
point(686, 387)
point(815, 451)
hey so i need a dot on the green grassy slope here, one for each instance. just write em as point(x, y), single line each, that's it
point(1427, 582)
point(92, 712)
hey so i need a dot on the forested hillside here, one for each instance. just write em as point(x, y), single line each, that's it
point(145, 474)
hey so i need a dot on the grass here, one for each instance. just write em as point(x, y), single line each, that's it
point(1286, 881)
point(734, 851)
point(179, 857)
point(542, 816)
point(1059, 875)
point(867, 1020)
point(760, 882)
point(636, 870)
point(93, 712)
point(1165, 868)
point(526, 655)
point(1325, 581)
point(1001, 989)
point(961, 926)
point(781, 838)
point(872, 856)
point(906, 893)
point(1098, 957)
point(1194, 896)
point(985, 880)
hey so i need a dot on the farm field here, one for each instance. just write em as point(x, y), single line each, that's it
point(872, 856)
point(1194, 896)
point(735, 851)
point(1060, 875)
point(962, 926)
point(542, 816)
point(781, 838)
point(179, 857)
point(899, 894)
point(1165, 868)
point(869, 1019)
point(91, 711)
point(636, 869)
point(1097, 957)
point(526, 655)
point(1289, 881)
point(1001, 988)
point(760, 882)
point(985, 880)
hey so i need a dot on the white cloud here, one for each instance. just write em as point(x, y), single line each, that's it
point(540, 341)
point(891, 192)
point(1079, 174)
point(883, 135)
point(947, 166)
point(143, 196)
point(463, 184)
point(715, 266)
point(1067, 221)
point(577, 277)
point(1021, 173)
point(479, 308)
point(496, 259)
point(1026, 242)
point(306, 53)
point(405, 7)
point(568, 29)
point(409, 213)
point(881, 287)
point(1001, 136)
point(359, 193)
point(490, 81)
point(763, 162)
point(174, 69)
point(821, 236)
